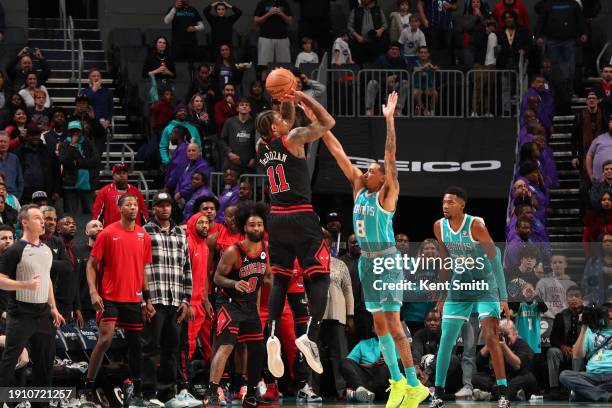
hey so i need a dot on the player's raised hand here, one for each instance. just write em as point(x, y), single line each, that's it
point(241, 286)
point(389, 108)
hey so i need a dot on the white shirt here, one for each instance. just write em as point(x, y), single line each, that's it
point(412, 41)
point(28, 99)
point(342, 47)
point(491, 44)
point(306, 58)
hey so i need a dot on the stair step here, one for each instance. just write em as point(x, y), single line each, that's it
point(58, 81)
point(560, 191)
point(51, 33)
point(61, 54)
point(565, 237)
point(565, 211)
point(568, 229)
point(58, 43)
point(66, 99)
point(128, 136)
point(563, 118)
point(79, 23)
point(562, 154)
point(561, 136)
point(67, 64)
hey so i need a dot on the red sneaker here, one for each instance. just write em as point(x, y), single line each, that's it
point(271, 393)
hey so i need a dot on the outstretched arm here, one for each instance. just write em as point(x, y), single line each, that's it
point(390, 190)
point(323, 122)
point(352, 173)
point(287, 110)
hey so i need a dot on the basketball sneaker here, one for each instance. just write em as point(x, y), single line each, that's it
point(397, 393)
point(275, 363)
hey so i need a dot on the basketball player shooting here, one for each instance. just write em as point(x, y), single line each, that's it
point(376, 192)
point(294, 228)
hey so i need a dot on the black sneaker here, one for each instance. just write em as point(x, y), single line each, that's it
point(198, 391)
point(89, 399)
point(252, 401)
point(503, 403)
point(436, 402)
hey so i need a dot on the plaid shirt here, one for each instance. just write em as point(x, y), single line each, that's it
point(169, 274)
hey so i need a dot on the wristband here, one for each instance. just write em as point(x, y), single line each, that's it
point(146, 295)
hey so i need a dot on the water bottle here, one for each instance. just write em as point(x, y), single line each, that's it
point(128, 392)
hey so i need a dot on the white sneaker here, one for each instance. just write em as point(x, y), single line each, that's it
point(190, 400)
point(310, 351)
point(275, 362)
point(307, 395)
point(157, 402)
point(175, 403)
point(480, 395)
point(362, 394)
point(24, 404)
point(465, 392)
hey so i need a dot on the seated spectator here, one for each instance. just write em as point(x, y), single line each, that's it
point(226, 107)
point(393, 82)
point(527, 315)
point(199, 117)
point(9, 199)
point(180, 119)
point(602, 186)
point(237, 139)
point(10, 167)
point(18, 74)
point(229, 195)
point(423, 82)
point(367, 27)
point(599, 152)
point(530, 172)
point(245, 191)
point(226, 70)
point(565, 331)
point(273, 18)
point(437, 21)
point(412, 38)
point(588, 124)
point(185, 22)
point(100, 98)
point(604, 89)
point(399, 20)
point(159, 63)
point(309, 86)
point(31, 86)
point(203, 84)
point(471, 22)
point(518, 357)
point(597, 221)
point(79, 161)
point(341, 51)
point(307, 55)
point(521, 193)
point(16, 129)
point(524, 209)
point(162, 111)
point(259, 102)
point(597, 278)
point(513, 40)
point(221, 24)
point(594, 346)
point(552, 288)
point(200, 188)
point(57, 131)
point(5, 92)
point(516, 6)
point(8, 215)
point(40, 115)
point(195, 162)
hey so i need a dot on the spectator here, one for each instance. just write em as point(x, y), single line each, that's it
point(221, 24)
point(57, 131)
point(599, 152)
point(180, 119)
point(17, 128)
point(399, 20)
point(423, 82)
point(472, 21)
point(594, 384)
point(341, 51)
point(200, 188)
point(179, 160)
point(18, 74)
point(245, 191)
point(519, 9)
point(5, 92)
point(185, 22)
point(15, 101)
point(8, 215)
point(597, 278)
point(522, 193)
point(534, 104)
point(537, 90)
point(518, 357)
point(199, 117)
point(604, 89)
point(82, 253)
point(513, 40)
point(315, 22)
point(560, 23)
point(92, 128)
point(546, 70)
point(226, 70)
point(529, 171)
point(307, 56)
point(437, 20)
point(402, 243)
point(162, 112)
point(39, 165)
point(226, 107)
point(351, 259)
point(597, 221)
point(527, 261)
point(203, 84)
point(10, 199)
point(79, 160)
point(40, 198)
point(527, 315)
point(39, 114)
point(237, 139)
point(100, 98)
point(412, 38)
point(105, 208)
point(484, 43)
point(309, 86)
point(159, 63)
point(602, 186)
point(67, 298)
point(10, 166)
point(259, 102)
point(565, 331)
point(333, 225)
point(588, 124)
point(394, 81)
point(552, 288)
point(273, 18)
point(195, 162)
point(229, 195)
point(367, 27)
point(31, 86)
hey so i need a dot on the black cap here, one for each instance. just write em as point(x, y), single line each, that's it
point(162, 197)
point(332, 216)
point(81, 97)
point(32, 129)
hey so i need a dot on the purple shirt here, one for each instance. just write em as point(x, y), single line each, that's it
point(175, 167)
point(184, 183)
point(545, 111)
point(200, 192)
point(600, 151)
point(228, 197)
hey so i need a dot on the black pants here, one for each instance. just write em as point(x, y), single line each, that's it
point(161, 337)
point(72, 198)
point(39, 333)
point(526, 382)
point(332, 345)
point(374, 378)
point(368, 51)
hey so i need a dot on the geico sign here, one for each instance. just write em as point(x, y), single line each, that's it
point(434, 166)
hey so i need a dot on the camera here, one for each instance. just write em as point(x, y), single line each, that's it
point(596, 317)
point(503, 336)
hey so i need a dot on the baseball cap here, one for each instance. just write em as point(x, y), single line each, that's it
point(162, 197)
point(332, 216)
point(75, 124)
point(81, 97)
point(179, 107)
point(39, 195)
point(32, 129)
point(120, 167)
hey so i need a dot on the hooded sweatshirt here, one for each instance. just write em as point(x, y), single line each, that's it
point(198, 253)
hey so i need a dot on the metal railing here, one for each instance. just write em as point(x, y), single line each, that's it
point(341, 91)
point(257, 181)
point(131, 154)
point(70, 30)
point(601, 55)
point(63, 21)
point(491, 92)
point(438, 93)
point(143, 186)
point(81, 63)
point(374, 85)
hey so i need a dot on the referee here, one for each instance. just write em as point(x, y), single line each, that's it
point(25, 271)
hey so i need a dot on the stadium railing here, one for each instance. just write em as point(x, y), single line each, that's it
point(257, 181)
point(490, 92)
point(373, 86)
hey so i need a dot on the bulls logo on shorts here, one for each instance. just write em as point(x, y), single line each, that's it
point(223, 320)
point(322, 255)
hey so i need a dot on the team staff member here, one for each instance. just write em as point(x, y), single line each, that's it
point(120, 254)
point(25, 270)
point(81, 254)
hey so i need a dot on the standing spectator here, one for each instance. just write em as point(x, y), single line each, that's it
point(185, 22)
point(412, 38)
point(333, 225)
point(565, 331)
point(484, 43)
point(100, 98)
point(560, 23)
point(399, 20)
point(551, 289)
point(17, 127)
point(169, 282)
point(588, 124)
point(10, 166)
point(423, 80)
point(513, 40)
point(18, 74)
point(602, 186)
point(599, 151)
point(273, 18)
point(31, 86)
point(309, 87)
point(229, 195)
point(32, 313)
point(517, 7)
point(393, 83)
point(203, 84)
point(105, 207)
point(180, 119)
point(473, 19)
point(82, 253)
point(238, 139)
point(544, 111)
point(39, 165)
point(351, 259)
point(226, 70)
point(8, 215)
point(307, 56)
point(159, 62)
point(200, 188)
point(57, 131)
point(597, 221)
point(226, 107)
point(437, 19)
point(92, 128)
point(367, 27)
point(39, 115)
point(67, 293)
point(315, 22)
point(162, 112)
point(204, 123)
point(221, 24)
point(341, 51)
point(597, 278)
point(259, 102)
point(604, 89)
point(79, 160)
point(195, 162)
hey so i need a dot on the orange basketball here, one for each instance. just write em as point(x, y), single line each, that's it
point(279, 82)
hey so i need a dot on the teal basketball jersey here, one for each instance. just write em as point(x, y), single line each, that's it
point(373, 225)
point(528, 325)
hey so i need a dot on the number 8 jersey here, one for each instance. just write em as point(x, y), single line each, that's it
point(249, 268)
point(373, 225)
point(288, 175)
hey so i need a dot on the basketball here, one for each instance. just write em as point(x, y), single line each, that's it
point(279, 82)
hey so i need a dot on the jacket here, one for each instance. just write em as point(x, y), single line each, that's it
point(561, 333)
point(560, 20)
point(65, 283)
point(221, 28)
point(14, 177)
point(340, 294)
point(79, 164)
point(164, 142)
point(581, 137)
point(40, 169)
point(9, 216)
point(508, 57)
point(184, 183)
point(106, 205)
point(198, 254)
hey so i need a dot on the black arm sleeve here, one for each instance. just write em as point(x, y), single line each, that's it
point(11, 258)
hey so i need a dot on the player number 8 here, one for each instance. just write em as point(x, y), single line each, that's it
point(360, 228)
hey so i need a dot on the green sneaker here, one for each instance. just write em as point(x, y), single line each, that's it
point(397, 393)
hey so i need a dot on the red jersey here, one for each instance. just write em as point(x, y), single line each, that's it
point(198, 254)
point(106, 207)
point(226, 239)
point(123, 255)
